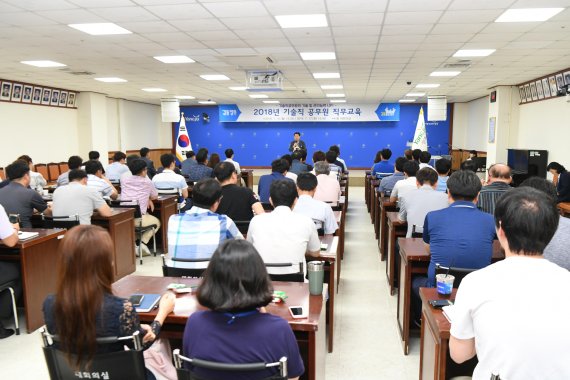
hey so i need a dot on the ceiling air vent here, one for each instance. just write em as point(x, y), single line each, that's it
point(458, 65)
point(79, 73)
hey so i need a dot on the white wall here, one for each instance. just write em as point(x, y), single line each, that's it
point(141, 125)
point(470, 124)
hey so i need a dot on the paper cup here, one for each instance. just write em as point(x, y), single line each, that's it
point(444, 283)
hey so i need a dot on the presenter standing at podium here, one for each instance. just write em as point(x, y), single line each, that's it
point(297, 143)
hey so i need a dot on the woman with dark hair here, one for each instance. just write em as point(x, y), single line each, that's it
point(84, 307)
point(561, 180)
point(237, 329)
point(214, 160)
point(378, 157)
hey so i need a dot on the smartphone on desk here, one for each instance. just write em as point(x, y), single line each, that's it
point(136, 299)
point(297, 312)
point(438, 304)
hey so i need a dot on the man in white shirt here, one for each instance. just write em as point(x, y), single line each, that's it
point(425, 158)
point(230, 158)
point(415, 204)
point(403, 186)
point(494, 316)
point(320, 212)
point(9, 271)
point(167, 179)
point(37, 180)
point(283, 236)
point(117, 168)
point(328, 188)
point(74, 162)
point(97, 181)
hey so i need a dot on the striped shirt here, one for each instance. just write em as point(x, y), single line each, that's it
point(489, 196)
point(196, 234)
point(99, 185)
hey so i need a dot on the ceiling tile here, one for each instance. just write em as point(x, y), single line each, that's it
point(179, 12)
point(125, 14)
point(247, 22)
point(480, 4)
point(236, 9)
point(356, 6)
point(293, 7)
point(418, 5)
point(412, 18)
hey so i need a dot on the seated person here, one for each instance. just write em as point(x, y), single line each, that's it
point(416, 153)
point(318, 155)
point(442, 167)
point(562, 181)
point(94, 155)
point(239, 203)
point(188, 162)
point(168, 179)
point(84, 307)
point(460, 235)
point(74, 162)
point(130, 158)
point(328, 188)
point(138, 187)
point(558, 250)
point(97, 181)
point(402, 187)
point(425, 158)
point(235, 290)
point(382, 166)
point(497, 185)
point(415, 204)
point(289, 159)
point(408, 154)
point(213, 161)
point(9, 271)
point(37, 181)
point(278, 171)
point(339, 161)
point(470, 165)
point(387, 183)
point(117, 168)
point(201, 170)
point(18, 198)
point(331, 159)
point(298, 164)
point(230, 158)
point(78, 199)
point(197, 232)
point(320, 212)
point(492, 318)
point(151, 171)
point(283, 236)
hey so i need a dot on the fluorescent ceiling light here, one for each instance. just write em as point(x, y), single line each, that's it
point(302, 21)
point(43, 63)
point(416, 94)
point(100, 29)
point(214, 77)
point(335, 95)
point(182, 97)
point(326, 75)
point(318, 56)
point(407, 100)
point(445, 73)
point(474, 52)
point(238, 88)
point(153, 89)
point(258, 96)
point(271, 101)
point(338, 101)
point(332, 87)
point(111, 80)
point(528, 14)
point(427, 85)
point(174, 59)
point(206, 102)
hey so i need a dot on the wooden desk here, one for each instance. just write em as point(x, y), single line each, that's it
point(38, 258)
point(164, 208)
point(247, 175)
point(341, 220)
point(310, 337)
point(415, 260)
point(374, 183)
point(121, 227)
point(367, 179)
point(396, 228)
point(564, 208)
point(384, 206)
point(330, 255)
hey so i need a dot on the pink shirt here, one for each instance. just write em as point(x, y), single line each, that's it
point(138, 188)
point(328, 189)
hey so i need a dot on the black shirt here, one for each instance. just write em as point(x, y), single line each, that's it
point(236, 202)
point(563, 187)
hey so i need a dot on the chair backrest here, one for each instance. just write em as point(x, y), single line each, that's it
point(127, 203)
point(2, 174)
point(63, 167)
point(42, 169)
point(185, 374)
point(458, 273)
point(53, 171)
point(60, 221)
point(383, 175)
point(168, 271)
point(289, 277)
point(416, 234)
point(112, 365)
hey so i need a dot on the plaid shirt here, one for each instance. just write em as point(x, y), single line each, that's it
point(197, 233)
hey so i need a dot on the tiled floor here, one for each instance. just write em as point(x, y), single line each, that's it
point(367, 343)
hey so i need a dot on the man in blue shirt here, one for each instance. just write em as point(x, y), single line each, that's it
point(442, 166)
point(387, 183)
point(201, 170)
point(384, 166)
point(459, 236)
point(298, 164)
point(278, 171)
point(188, 162)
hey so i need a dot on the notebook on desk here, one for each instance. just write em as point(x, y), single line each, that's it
point(26, 235)
point(148, 303)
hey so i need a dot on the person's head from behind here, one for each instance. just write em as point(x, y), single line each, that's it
point(472, 153)
point(322, 167)
point(229, 153)
point(131, 158)
point(296, 155)
point(319, 155)
point(283, 192)
point(74, 162)
point(469, 165)
point(426, 176)
point(28, 160)
point(463, 185)
point(443, 166)
point(399, 164)
point(236, 279)
point(190, 154)
point(416, 154)
point(207, 194)
point(138, 167)
point(555, 168)
point(167, 160)
point(297, 136)
point(214, 160)
point(331, 157)
point(202, 156)
point(336, 149)
point(279, 166)
point(144, 151)
point(307, 183)
point(385, 154)
point(85, 275)
point(94, 155)
point(378, 157)
point(526, 221)
point(94, 167)
point(288, 158)
point(411, 168)
point(78, 175)
point(19, 171)
point(225, 172)
point(119, 157)
point(543, 185)
point(408, 154)
point(500, 173)
point(425, 156)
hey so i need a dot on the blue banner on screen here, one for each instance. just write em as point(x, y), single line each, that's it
point(388, 112)
point(312, 112)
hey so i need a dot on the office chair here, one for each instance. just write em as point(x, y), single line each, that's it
point(458, 273)
point(9, 286)
point(289, 277)
point(168, 271)
point(61, 222)
point(185, 374)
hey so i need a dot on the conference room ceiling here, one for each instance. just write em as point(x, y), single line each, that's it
point(380, 45)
